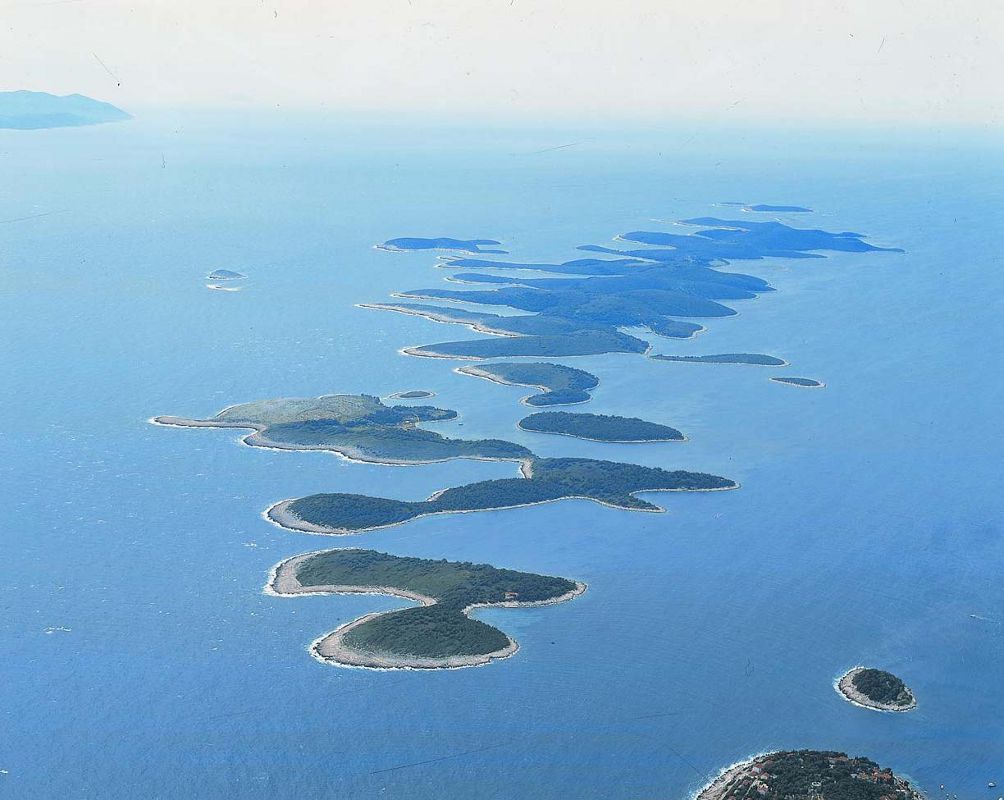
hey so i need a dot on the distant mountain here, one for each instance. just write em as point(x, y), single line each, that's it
point(23, 110)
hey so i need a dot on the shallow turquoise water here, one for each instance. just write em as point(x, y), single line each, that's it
point(867, 529)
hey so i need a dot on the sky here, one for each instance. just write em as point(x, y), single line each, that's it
point(901, 62)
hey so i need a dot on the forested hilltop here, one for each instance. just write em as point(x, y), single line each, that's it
point(876, 689)
point(600, 427)
point(809, 775)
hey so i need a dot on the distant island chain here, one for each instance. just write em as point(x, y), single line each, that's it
point(664, 284)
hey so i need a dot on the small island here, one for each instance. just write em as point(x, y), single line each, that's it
point(544, 480)
point(600, 427)
point(225, 275)
point(875, 689)
point(805, 383)
point(357, 426)
point(582, 343)
point(439, 633)
point(753, 359)
point(413, 394)
point(779, 209)
point(559, 385)
point(744, 238)
point(808, 775)
point(407, 243)
point(30, 111)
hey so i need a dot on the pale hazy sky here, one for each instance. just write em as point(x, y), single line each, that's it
point(920, 62)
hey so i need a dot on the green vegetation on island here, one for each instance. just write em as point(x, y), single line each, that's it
point(586, 306)
point(357, 426)
point(545, 479)
point(225, 275)
point(805, 383)
point(882, 687)
point(437, 634)
point(586, 342)
point(809, 775)
point(406, 243)
point(766, 207)
point(876, 689)
point(414, 394)
point(755, 359)
point(562, 385)
point(600, 427)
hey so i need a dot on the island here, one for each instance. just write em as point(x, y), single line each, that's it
point(357, 426)
point(592, 306)
point(28, 111)
point(805, 383)
point(544, 480)
point(225, 275)
point(747, 239)
point(559, 385)
point(808, 775)
point(439, 633)
point(406, 243)
point(875, 689)
point(600, 427)
point(580, 316)
point(616, 300)
point(584, 343)
point(779, 209)
point(755, 359)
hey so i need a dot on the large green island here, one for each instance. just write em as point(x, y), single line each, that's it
point(600, 427)
point(875, 689)
point(808, 775)
point(437, 634)
point(357, 426)
point(544, 480)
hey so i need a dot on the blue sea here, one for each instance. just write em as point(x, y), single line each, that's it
point(140, 656)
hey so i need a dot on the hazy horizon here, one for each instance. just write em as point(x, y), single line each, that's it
point(777, 62)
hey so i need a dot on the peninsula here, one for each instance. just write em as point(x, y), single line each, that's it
point(29, 111)
point(544, 480)
point(440, 632)
point(600, 427)
point(808, 775)
point(875, 689)
point(559, 385)
point(357, 426)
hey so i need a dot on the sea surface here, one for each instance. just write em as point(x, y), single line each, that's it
point(140, 656)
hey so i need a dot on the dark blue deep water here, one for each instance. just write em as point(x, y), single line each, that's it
point(140, 657)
